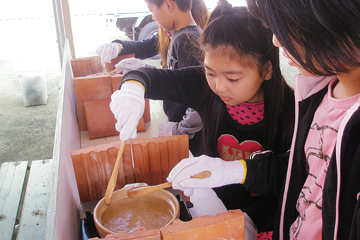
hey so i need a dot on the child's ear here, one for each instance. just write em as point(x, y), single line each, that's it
point(170, 4)
point(267, 71)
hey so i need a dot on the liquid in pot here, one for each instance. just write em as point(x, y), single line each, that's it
point(148, 211)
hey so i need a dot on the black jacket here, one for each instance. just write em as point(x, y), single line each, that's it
point(340, 212)
point(180, 86)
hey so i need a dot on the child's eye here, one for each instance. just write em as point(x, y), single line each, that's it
point(209, 74)
point(232, 80)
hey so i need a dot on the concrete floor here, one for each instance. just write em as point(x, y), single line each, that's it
point(27, 133)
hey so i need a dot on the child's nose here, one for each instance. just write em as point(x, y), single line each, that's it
point(220, 85)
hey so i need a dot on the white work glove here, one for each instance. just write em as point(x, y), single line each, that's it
point(165, 129)
point(250, 228)
point(107, 52)
point(222, 173)
point(127, 105)
point(206, 202)
point(129, 64)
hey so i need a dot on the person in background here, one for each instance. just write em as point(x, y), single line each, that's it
point(180, 26)
point(321, 193)
point(245, 106)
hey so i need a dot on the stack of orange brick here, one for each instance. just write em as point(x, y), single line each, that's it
point(92, 89)
point(146, 160)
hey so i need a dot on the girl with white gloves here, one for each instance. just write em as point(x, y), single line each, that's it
point(245, 106)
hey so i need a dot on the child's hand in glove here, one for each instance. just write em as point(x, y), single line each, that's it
point(107, 52)
point(222, 173)
point(129, 64)
point(127, 105)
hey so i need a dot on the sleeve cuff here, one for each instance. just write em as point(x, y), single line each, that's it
point(120, 47)
point(134, 84)
point(245, 171)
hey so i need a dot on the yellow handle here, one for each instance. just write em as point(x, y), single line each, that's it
point(115, 70)
point(112, 183)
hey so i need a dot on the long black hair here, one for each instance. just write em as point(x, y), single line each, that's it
point(323, 33)
point(249, 42)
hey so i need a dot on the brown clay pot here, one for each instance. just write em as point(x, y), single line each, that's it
point(157, 203)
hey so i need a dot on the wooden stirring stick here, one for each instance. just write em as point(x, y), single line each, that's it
point(112, 183)
point(115, 70)
point(142, 191)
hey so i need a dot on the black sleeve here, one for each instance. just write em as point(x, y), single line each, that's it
point(355, 225)
point(183, 86)
point(266, 172)
point(187, 50)
point(142, 49)
point(263, 212)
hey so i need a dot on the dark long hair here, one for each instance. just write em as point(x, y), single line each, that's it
point(328, 31)
point(249, 43)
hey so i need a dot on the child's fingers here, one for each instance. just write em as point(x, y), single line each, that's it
point(179, 168)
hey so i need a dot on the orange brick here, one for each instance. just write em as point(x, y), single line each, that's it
point(140, 233)
point(90, 68)
point(224, 226)
point(93, 165)
point(115, 81)
point(89, 89)
point(228, 225)
point(101, 121)
point(86, 66)
point(99, 118)
point(147, 116)
point(111, 66)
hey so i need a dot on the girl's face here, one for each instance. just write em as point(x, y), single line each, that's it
point(162, 15)
point(231, 81)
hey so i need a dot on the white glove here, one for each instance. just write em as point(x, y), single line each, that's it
point(250, 228)
point(190, 124)
point(206, 202)
point(165, 129)
point(107, 52)
point(127, 105)
point(222, 173)
point(129, 64)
